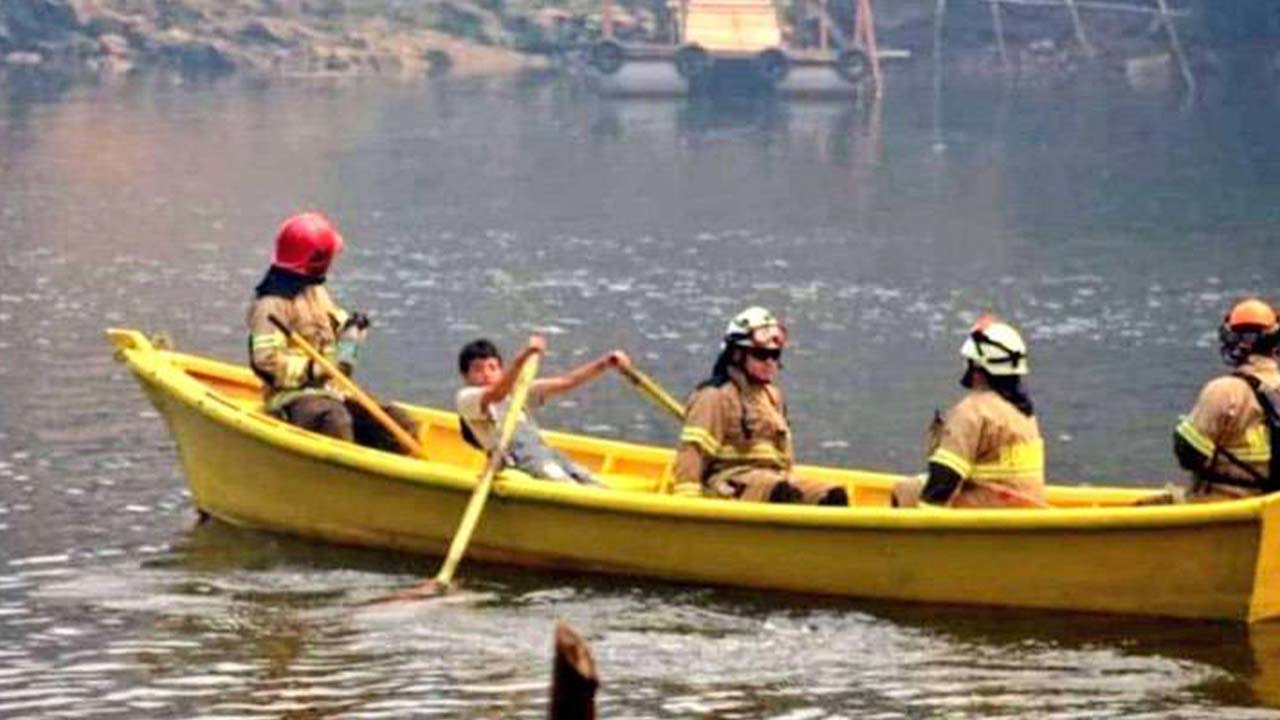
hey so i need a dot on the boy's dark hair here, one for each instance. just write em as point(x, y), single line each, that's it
point(476, 350)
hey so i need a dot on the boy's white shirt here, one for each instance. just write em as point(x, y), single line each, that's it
point(484, 421)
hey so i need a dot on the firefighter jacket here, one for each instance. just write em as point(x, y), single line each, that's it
point(287, 372)
point(994, 448)
point(731, 429)
point(1227, 419)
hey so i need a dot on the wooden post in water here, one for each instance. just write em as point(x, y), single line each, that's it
point(573, 679)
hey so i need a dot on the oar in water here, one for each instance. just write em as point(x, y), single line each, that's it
point(349, 386)
point(479, 496)
point(650, 387)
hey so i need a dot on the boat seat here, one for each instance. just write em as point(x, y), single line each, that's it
point(630, 483)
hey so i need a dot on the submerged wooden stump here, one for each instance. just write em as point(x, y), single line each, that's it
point(574, 680)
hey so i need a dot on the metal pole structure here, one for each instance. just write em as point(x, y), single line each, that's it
point(1176, 44)
point(997, 24)
point(939, 18)
point(822, 25)
point(864, 32)
point(1078, 24)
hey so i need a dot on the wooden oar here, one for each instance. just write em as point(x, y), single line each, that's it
point(650, 387)
point(348, 386)
point(479, 496)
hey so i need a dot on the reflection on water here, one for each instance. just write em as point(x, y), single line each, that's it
point(1113, 229)
point(237, 622)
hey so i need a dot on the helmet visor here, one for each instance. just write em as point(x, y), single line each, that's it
point(769, 336)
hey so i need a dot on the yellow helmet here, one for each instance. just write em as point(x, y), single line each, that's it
point(995, 346)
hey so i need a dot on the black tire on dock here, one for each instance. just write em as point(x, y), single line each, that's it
point(853, 65)
point(607, 56)
point(772, 65)
point(692, 62)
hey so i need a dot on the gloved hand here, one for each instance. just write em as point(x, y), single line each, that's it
point(358, 320)
point(351, 338)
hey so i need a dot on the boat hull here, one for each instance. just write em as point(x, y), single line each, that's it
point(250, 470)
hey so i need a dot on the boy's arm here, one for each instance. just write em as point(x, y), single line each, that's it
point(580, 375)
point(500, 389)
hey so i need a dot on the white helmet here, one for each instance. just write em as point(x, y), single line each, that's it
point(996, 347)
point(755, 327)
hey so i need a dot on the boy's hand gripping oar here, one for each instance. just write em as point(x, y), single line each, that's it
point(479, 496)
point(650, 387)
point(348, 386)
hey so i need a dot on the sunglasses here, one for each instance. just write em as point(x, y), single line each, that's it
point(765, 353)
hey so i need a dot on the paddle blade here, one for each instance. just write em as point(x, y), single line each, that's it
point(424, 590)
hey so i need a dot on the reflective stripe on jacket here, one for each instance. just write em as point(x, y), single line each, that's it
point(287, 372)
point(732, 429)
point(1227, 417)
point(987, 441)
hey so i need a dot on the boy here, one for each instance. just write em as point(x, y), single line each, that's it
point(483, 399)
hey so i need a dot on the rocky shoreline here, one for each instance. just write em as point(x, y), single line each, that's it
point(334, 38)
point(271, 38)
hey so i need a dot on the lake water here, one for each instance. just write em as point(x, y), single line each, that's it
point(1114, 228)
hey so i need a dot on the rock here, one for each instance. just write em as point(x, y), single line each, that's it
point(113, 45)
point(178, 49)
point(110, 65)
point(267, 31)
point(29, 21)
point(336, 63)
point(438, 61)
point(330, 9)
point(1152, 73)
point(468, 22)
point(23, 59)
point(1043, 46)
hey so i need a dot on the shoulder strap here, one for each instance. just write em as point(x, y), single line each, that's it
point(469, 436)
point(1267, 397)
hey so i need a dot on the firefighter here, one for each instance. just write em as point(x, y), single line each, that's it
point(1225, 441)
point(736, 442)
point(987, 450)
point(294, 292)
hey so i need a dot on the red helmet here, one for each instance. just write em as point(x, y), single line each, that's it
point(307, 243)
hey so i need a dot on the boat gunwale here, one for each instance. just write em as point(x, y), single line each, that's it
point(167, 370)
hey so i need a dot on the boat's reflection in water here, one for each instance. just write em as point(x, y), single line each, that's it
point(296, 600)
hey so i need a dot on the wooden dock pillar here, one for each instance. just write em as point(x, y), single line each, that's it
point(573, 679)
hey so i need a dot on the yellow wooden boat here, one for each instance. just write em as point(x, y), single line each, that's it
point(1092, 551)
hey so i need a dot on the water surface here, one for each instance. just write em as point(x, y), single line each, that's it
point(1115, 229)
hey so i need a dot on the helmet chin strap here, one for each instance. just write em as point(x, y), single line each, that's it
point(969, 379)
